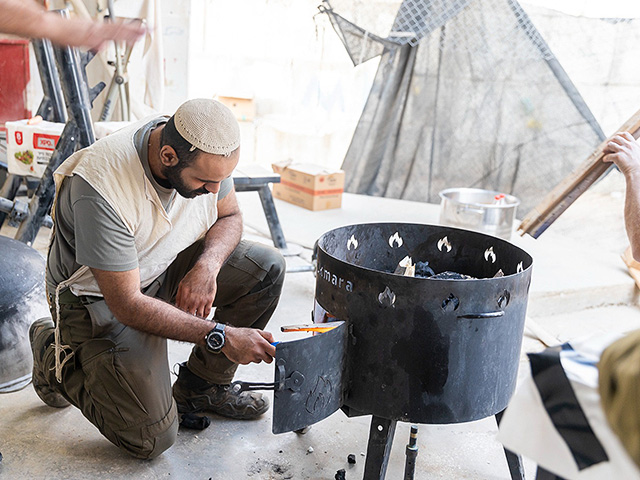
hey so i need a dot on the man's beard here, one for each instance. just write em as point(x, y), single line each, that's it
point(174, 177)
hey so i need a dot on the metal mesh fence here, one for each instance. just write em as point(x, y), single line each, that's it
point(361, 45)
point(480, 101)
point(416, 19)
point(600, 57)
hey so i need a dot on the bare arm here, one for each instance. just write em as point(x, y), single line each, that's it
point(197, 290)
point(27, 18)
point(624, 151)
point(121, 291)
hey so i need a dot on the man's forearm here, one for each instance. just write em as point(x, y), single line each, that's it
point(632, 214)
point(220, 241)
point(623, 150)
point(152, 315)
point(132, 308)
point(26, 18)
point(22, 17)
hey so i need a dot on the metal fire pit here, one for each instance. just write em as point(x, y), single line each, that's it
point(425, 350)
point(418, 350)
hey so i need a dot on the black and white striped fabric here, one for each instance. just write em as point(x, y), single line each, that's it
point(555, 417)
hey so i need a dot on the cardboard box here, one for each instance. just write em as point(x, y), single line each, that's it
point(29, 147)
point(310, 186)
point(243, 108)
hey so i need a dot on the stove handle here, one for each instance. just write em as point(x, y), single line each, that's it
point(499, 313)
point(293, 382)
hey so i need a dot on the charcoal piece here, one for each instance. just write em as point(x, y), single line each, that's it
point(423, 270)
point(194, 422)
point(0, 458)
point(341, 474)
point(351, 458)
point(452, 276)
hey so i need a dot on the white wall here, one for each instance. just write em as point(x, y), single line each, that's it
point(175, 32)
point(308, 94)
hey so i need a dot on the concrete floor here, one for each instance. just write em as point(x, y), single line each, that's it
point(579, 286)
point(40, 442)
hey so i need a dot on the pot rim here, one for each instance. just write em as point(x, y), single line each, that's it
point(512, 201)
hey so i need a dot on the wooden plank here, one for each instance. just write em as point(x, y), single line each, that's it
point(572, 186)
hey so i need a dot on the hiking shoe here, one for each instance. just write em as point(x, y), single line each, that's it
point(41, 336)
point(195, 395)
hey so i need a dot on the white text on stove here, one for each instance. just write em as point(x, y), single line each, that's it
point(334, 280)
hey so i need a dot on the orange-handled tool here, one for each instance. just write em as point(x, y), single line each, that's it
point(318, 327)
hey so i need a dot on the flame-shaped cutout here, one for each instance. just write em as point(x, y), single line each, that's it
point(488, 254)
point(444, 242)
point(395, 238)
point(519, 269)
point(387, 298)
point(352, 242)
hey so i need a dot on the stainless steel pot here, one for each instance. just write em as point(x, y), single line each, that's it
point(485, 211)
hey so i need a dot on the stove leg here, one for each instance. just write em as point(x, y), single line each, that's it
point(514, 461)
point(379, 448)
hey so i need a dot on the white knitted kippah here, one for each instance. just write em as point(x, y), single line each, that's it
point(208, 125)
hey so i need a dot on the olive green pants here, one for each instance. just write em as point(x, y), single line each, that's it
point(119, 377)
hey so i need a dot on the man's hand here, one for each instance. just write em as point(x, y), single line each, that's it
point(624, 151)
point(92, 34)
point(248, 345)
point(197, 290)
point(27, 18)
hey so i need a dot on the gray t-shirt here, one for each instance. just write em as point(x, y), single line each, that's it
point(88, 230)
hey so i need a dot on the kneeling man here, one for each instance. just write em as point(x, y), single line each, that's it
point(147, 240)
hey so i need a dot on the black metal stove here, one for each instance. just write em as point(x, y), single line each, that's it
point(418, 350)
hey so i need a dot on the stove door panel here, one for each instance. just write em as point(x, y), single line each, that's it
point(309, 379)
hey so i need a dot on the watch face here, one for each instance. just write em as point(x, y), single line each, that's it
point(215, 340)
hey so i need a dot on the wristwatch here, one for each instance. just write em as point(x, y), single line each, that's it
point(214, 340)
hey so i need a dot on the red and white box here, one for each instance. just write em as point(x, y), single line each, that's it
point(30, 146)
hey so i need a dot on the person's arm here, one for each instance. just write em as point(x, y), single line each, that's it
point(121, 291)
point(624, 151)
point(104, 244)
point(197, 290)
point(26, 18)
